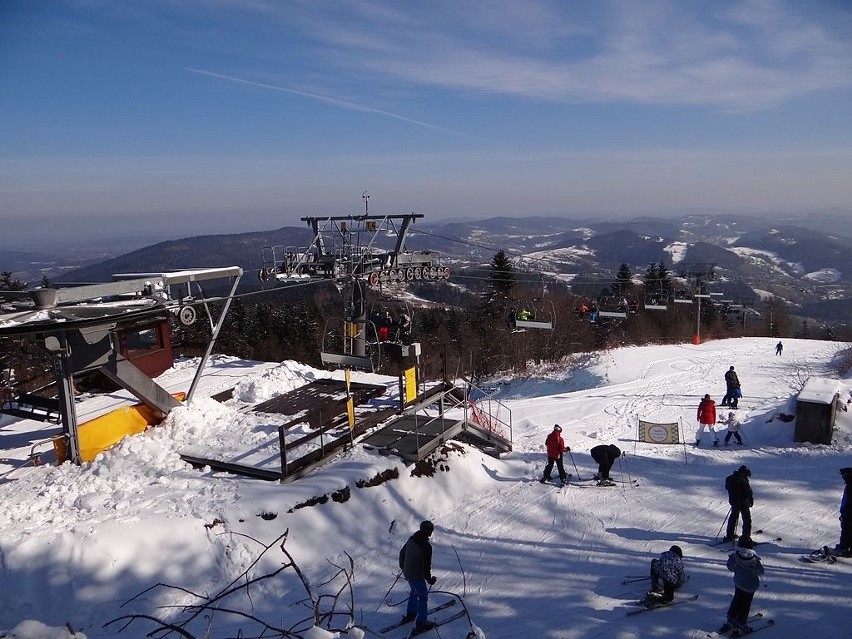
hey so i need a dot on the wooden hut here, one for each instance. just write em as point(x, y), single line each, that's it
point(816, 407)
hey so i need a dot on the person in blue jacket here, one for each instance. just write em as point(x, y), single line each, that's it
point(415, 561)
point(844, 548)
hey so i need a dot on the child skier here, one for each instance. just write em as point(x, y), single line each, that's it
point(668, 569)
point(747, 569)
point(733, 429)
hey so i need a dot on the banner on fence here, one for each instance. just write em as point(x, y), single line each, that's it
point(653, 433)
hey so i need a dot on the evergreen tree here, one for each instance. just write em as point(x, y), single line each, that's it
point(623, 280)
point(501, 278)
point(9, 283)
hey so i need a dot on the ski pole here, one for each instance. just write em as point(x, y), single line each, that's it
point(723, 522)
point(575, 465)
point(626, 468)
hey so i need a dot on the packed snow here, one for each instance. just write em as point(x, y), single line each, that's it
point(81, 546)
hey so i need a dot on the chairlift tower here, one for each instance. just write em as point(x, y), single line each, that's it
point(354, 252)
point(698, 274)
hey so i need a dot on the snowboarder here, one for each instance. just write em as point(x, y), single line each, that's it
point(778, 348)
point(741, 499)
point(555, 449)
point(706, 419)
point(605, 456)
point(667, 573)
point(415, 561)
point(747, 569)
point(844, 548)
point(732, 386)
point(733, 428)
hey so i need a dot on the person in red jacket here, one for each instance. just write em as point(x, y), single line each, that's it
point(706, 419)
point(555, 448)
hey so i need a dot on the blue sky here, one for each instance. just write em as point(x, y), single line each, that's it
point(228, 116)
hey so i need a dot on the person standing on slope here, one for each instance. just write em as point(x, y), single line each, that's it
point(778, 348)
point(706, 419)
point(732, 389)
point(733, 429)
point(555, 449)
point(415, 561)
point(605, 456)
point(667, 573)
point(741, 499)
point(747, 569)
point(844, 548)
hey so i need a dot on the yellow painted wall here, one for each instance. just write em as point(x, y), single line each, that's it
point(102, 432)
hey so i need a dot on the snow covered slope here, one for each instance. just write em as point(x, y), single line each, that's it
point(531, 560)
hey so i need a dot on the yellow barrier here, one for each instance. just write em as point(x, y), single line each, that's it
point(102, 432)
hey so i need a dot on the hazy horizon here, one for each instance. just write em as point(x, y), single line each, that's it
point(232, 116)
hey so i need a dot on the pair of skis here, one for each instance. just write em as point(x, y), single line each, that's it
point(443, 606)
point(756, 622)
point(719, 542)
point(653, 603)
point(561, 484)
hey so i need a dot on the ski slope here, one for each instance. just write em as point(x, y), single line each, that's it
point(530, 560)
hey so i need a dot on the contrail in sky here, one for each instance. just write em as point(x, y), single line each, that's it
point(322, 98)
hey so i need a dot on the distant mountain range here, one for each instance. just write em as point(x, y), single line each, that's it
point(753, 258)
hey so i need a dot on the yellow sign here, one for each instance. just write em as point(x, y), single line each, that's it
point(410, 384)
point(350, 412)
point(348, 375)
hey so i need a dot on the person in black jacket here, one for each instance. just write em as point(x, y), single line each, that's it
point(741, 499)
point(732, 389)
point(415, 561)
point(605, 456)
point(844, 548)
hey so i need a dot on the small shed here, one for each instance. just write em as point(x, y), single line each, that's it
point(816, 407)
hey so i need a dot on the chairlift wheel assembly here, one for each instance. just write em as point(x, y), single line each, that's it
point(187, 315)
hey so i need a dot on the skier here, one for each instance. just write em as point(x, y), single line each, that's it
point(747, 569)
point(741, 499)
point(555, 449)
point(844, 548)
point(732, 389)
point(605, 456)
point(706, 419)
point(733, 429)
point(667, 573)
point(778, 348)
point(415, 561)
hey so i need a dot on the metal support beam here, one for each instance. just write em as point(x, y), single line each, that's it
point(213, 338)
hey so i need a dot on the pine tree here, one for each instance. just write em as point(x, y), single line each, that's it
point(623, 280)
point(9, 283)
point(501, 279)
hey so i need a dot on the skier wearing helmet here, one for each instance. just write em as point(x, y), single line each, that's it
point(667, 573)
point(741, 499)
point(555, 449)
